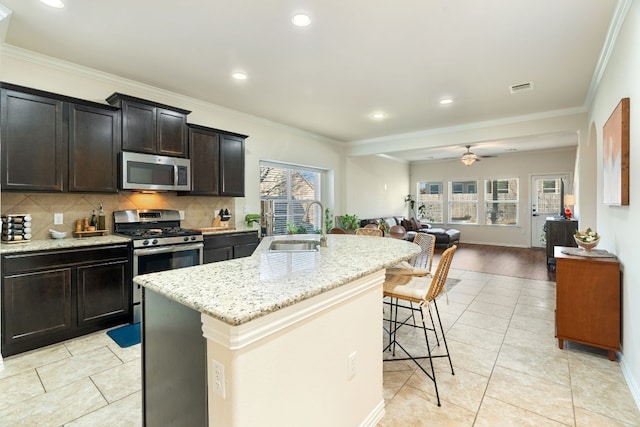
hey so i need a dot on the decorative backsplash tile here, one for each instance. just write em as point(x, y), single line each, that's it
point(199, 211)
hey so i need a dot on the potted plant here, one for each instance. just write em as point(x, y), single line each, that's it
point(328, 220)
point(412, 203)
point(291, 228)
point(349, 222)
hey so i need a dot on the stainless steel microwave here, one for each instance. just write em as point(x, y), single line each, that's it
point(152, 172)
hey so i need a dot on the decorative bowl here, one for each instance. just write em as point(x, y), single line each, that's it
point(58, 234)
point(587, 246)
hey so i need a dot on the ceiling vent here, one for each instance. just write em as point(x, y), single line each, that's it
point(522, 87)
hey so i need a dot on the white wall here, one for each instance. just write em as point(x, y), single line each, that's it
point(267, 140)
point(517, 165)
point(376, 187)
point(619, 226)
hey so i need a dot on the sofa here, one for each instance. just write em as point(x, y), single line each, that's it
point(445, 238)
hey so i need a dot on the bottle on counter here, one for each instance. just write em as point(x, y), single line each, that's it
point(94, 219)
point(102, 219)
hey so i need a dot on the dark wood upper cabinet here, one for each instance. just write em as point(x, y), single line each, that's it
point(33, 141)
point(232, 165)
point(94, 144)
point(204, 151)
point(217, 162)
point(150, 127)
point(55, 143)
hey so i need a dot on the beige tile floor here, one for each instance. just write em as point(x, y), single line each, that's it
point(508, 371)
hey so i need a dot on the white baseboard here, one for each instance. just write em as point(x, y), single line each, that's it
point(375, 416)
point(631, 382)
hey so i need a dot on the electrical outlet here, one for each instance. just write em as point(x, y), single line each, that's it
point(58, 219)
point(352, 365)
point(181, 214)
point(218, 378)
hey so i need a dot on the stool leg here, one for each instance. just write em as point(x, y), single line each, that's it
point(433, 372)
point(444, 339)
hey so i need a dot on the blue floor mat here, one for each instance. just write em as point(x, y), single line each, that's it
point(126, 336)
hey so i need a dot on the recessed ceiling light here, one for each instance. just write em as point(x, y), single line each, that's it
point(378, 116)
point(301, 20)
point(53, 3)
point(446, 101)
point(239, 76)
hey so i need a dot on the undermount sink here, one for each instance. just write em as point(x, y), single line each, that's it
point(294, 246)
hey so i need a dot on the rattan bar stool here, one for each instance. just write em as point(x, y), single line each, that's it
point(369, 232)
point(423, 292)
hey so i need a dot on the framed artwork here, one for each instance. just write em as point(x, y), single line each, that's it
point(616, 156)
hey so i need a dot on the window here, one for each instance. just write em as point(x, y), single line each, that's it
point(292, 188)
point(501, 201)
point(463, 202)
point(549, 195)
point(430, 202)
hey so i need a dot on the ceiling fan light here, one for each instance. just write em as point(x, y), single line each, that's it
point(468, 159)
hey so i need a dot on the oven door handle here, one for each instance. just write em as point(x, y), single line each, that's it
point(167, 249)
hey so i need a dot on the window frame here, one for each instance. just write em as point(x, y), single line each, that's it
point(437, 206)
point(468, 187)
point(513, 202)
point(295, 208)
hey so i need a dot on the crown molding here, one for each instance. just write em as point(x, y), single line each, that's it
point(619, 15)
point(80, 70)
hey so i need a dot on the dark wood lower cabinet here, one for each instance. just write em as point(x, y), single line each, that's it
point(102, 292)
point(226, 246)
point(36, 305)
point(51, 296)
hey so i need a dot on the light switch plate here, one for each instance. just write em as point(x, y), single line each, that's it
point(58, 219)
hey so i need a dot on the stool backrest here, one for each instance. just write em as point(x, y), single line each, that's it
point(369, 232)
point(427, 243)
point(440, 276)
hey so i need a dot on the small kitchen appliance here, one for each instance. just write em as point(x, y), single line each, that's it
point(159, 243)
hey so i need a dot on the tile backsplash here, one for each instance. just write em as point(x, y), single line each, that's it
point(199, 211)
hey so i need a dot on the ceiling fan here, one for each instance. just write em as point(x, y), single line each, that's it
point(470, 158)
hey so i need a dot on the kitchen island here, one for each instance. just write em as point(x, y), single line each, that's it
point(278, 338)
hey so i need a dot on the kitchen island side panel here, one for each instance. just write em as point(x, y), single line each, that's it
point(174, 373)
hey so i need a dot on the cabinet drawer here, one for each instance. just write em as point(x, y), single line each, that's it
point(34, 261)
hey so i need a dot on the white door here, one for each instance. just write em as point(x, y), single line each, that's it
point(545, 202)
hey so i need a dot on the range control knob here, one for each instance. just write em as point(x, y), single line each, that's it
point(145, 242)
point(154, 242)
point(193, 237)
point(186, 238)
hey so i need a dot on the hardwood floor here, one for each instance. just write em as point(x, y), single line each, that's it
point(528, 263)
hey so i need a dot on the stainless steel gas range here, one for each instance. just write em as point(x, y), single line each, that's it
point(159, 244)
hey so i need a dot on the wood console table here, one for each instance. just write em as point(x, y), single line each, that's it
point(588, 301)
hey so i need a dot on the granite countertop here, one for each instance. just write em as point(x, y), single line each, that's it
point(66, 243)
point(240, 290)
